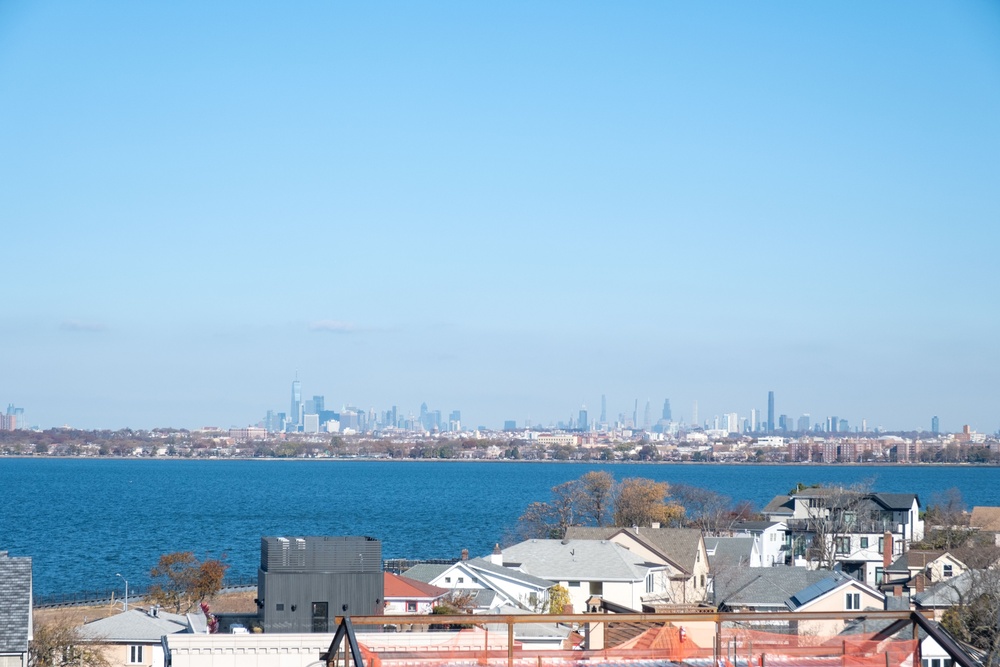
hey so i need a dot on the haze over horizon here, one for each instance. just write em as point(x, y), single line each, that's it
point(508, 209)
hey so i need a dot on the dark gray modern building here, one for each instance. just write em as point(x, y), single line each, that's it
point(304, 583)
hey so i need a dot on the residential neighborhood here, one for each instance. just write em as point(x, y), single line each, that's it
point(817, 560)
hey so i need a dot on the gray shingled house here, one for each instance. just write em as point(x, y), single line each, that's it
point(15, 610)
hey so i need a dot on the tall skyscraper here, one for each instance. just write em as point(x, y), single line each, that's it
point(935, 425)
point(753, 420)
point(635, 414)
point(296, 411)
point(584, 422)
point(666, 410)
point(694, 415)
point(770, 412)
point(647, 416)
point(804, 423)
point(604, 409)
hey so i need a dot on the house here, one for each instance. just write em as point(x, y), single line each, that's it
point(135, 637)
point(15, 610)
point(305, 582)
point(863, 532)
point(784, 588)
point(484, 585)
point(916, 569)
point(986, 520)
point(835, 593)
point(937, 599)
point(762, 589)
point(680, 551)
point(409, 596)
point(729, 553)
point(771, 536)
point(589, 568)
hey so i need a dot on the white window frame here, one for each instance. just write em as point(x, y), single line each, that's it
point(852, 601)
point(135, 654)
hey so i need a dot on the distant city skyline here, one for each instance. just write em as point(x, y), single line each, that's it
point(741, 420)
point(506, 209)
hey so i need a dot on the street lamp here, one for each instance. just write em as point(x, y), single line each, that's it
point(125, 608)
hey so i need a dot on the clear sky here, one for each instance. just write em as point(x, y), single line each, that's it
point(506, 208)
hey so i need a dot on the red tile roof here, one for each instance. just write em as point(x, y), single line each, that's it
point(404, 587)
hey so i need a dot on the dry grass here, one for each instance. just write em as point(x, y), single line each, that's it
point(230, 602)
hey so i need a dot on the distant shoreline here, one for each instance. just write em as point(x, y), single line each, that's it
point(338, 459)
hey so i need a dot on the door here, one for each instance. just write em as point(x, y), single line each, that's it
point(320, 616)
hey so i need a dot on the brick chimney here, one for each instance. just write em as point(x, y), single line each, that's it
point(919, 583)
point(887, 550)
point(465, 554)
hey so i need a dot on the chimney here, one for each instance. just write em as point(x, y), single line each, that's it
point(465, 554)
point(497, 556)
point(897, 591)
point(887, 550)
point(656, 524)
point(919, 583)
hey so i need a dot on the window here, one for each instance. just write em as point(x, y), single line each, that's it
point(702, 581)
point(843, 545)
point(881, 545)
point(649, 582)
point(597, 588)
point(411, 606)
point(879, 575)
point(447, 580)
point(853, 601)
point(135, 654)
point(280, 606)
point(461, 580)
point(948, 571)
point(864, 542)
point(574, 584)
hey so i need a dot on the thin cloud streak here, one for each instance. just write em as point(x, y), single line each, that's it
point(333, 326)
point(77, 326)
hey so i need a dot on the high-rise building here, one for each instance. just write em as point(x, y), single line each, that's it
point(770, 411)
point(804, 423)
point(935, 425)
point(733, 422)
point(604, 409)
point(694, 415)
point(753, 420)
point(647, 416)
point(296, 411)
point(635, 414)
point(510, 425)
point(784, 423)
point(666, 410)
point(583, 422)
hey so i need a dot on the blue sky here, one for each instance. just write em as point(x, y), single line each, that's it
point(504, 208)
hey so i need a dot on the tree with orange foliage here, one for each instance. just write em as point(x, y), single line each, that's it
point(181, 581)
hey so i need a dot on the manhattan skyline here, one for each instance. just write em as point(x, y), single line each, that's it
point(509, 210)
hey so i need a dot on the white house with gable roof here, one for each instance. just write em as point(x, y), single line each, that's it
point(588, 568)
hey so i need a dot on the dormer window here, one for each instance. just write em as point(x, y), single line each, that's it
point(948, 570)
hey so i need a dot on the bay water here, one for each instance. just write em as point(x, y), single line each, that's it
point(85, 520)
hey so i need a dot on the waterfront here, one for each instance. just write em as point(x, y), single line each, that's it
point(85, 520)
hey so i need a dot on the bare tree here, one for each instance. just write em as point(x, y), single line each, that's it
point(59, 644)
point(708, 510)
point(947, 521)
point(975, 616)
point(835, 512)
point(594, 493)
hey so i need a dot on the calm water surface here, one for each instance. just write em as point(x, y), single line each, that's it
point(84, 520)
